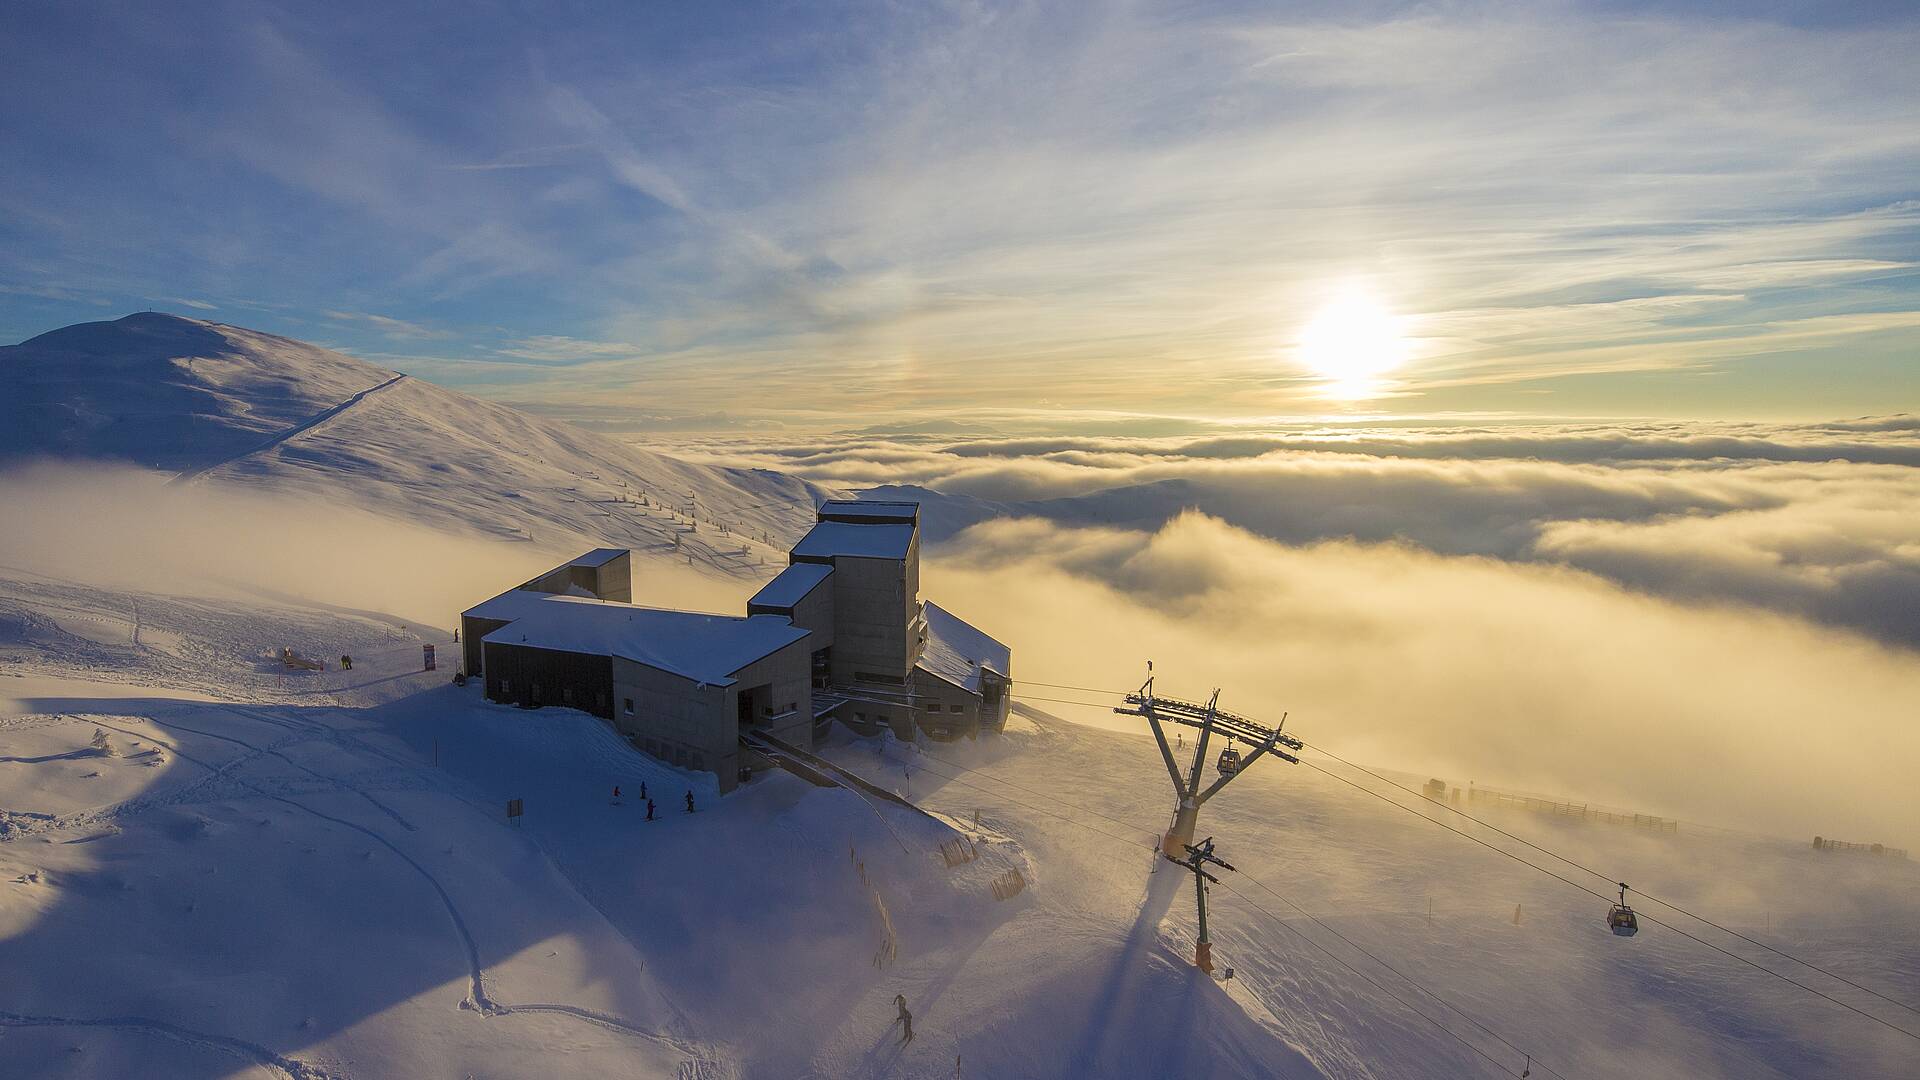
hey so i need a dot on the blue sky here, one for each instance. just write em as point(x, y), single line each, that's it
point(795, 213)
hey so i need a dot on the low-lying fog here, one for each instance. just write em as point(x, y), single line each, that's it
point(1720, 627)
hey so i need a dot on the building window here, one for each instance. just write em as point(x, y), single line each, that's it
point(566, 694)
point(934, 706)
point(506, 688)
point(628, 705)
point(869, 676)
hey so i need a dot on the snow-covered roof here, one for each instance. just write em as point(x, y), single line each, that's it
point(704, 648)
point(598, 557)
point(791, 586)
point(512, 604)
point(830, 538)
point(957, 650)
point(869, 508)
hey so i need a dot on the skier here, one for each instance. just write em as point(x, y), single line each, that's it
point(689, 800)
point(649, 809)
point(643, 789)
point(905, 1019)
point(346, 662)
point(616, 793)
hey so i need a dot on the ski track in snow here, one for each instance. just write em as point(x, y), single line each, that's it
point(702, 1064)
point(1742, 1026)
point(259, 1055)
point(305, 426)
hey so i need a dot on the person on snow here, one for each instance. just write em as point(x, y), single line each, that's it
point(616, 791)
point(643, 789)
point(649, 809)
point(346, 662)
point(689, 800)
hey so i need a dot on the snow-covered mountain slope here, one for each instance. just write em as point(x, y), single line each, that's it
point(163, 391)
point(307, 874)
point(270, 873)
point(223, 405)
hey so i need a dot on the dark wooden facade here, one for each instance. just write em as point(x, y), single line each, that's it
point(519, 675)
point(472, 630)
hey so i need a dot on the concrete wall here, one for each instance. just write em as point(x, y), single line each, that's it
point(873, 604)
point(996, 703)
point(814, 613)
point(946, 711)
point(787, 675)
point(696, 727)
point(613, 580)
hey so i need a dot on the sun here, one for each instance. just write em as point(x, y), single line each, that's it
point(1352, 341)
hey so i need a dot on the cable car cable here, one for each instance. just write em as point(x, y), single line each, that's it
point(1609, 878)
point(1364, 952)
point(1612, 880)
point(1449, 1032)
point(1692, 937)
point(1270, 889)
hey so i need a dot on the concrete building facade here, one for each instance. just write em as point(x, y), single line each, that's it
point(887, 665)
point(841, 633)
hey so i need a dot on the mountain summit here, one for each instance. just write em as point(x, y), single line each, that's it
point(164, 391)
point(222, 404)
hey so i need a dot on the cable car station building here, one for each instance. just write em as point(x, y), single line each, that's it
point(840, 633)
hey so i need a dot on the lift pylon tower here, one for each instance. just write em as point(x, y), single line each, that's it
point(1209, 719)
point(1198, 855)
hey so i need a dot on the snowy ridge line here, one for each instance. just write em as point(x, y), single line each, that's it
point(298, 429)
point(254, 1052)
point(477, 999)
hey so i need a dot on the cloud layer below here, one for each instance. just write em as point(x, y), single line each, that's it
point(1820, 522)
point(1718, 622)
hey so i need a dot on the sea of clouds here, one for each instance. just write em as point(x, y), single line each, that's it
point(1719, 622)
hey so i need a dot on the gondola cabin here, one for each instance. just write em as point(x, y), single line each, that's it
point(1229, 762)
point(1621, 919)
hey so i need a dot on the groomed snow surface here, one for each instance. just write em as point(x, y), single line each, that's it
point(265, 873)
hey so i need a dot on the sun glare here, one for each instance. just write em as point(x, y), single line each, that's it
point(1351, 342)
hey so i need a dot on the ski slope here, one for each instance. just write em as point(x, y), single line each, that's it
point(309, 874)
point(213, 865)
point(222, 405)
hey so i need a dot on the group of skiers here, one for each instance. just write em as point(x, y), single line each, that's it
point(643, 795)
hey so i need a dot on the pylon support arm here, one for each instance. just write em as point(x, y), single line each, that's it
point(1258, 752)
point(1166, 752)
